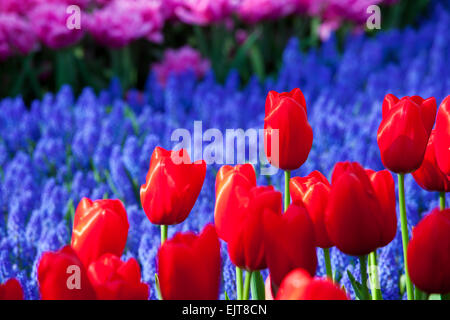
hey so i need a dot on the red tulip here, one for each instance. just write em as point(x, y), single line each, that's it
point(61, 276)
point(429, 253)
point(384, 187)
point(312, 192)
point(404, 131)
point(228, 207)
point(172, 186)
point(299, 285)
point(114, 279)
point(289, 242)
point(286, 112)
point(246, 247)
point(11, 290)
point(360, 215)
point(189, 266)
point(442, 144)
point(99, 227)
point(429, 176)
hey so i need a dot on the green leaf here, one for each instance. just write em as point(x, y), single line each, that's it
point(226, 296)
point(241, 53)
point(158, 288)
point(402, 284)
point(257, 286)
point(357, 287)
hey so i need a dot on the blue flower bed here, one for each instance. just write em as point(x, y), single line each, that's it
point(63, 147)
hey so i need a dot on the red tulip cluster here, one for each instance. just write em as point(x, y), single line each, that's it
point(90, 268)
point(257, 232)
point(408, 144)
point(356, 212)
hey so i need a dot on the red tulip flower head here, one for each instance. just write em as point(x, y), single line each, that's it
point(62, 276)
point(172, 186)
point(246, 247)
point(287, 132)
point(312, 192)
point(229, 207)
point(429, 253)
point(442, 144)
point(299, 285)
point(360, 214)
point(404, 131)
point(429, 176)
point(11, 290)
point(189, 266)
point(99, 227)
point(289, 242)
point(114, 279)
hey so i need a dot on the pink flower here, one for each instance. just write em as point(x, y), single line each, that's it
point(179, 61)
point(50, 24)
point(256, 10)
point(334, 12)
point(16, 35)
point(203, 12)
point(13, 6)
point(123, 21)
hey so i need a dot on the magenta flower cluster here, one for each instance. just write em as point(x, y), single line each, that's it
point(25, 24)
point(178, 61)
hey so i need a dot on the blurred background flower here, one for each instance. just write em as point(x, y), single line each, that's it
point(123, 37)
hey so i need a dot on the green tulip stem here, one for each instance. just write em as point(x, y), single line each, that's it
point(239, 283)
point(246, 294)
point(405, 237)
point(287, 195)
point(163, 233)
point(363, 271)
point(374, 277)
point(442, 200)
point(326, 255)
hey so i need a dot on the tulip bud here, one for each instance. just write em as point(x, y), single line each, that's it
point(172, 186)
point(99, 227)
point(442, 145)
point(114, 279)
point(189, 266)
point(312, 192)
point(229, 207)
point(289, 242)
point(61, 276)
point(429, 176)
point(11, 290)
point(286, 112)
point(429, 253)
point(404, 131)
point(299, 285)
